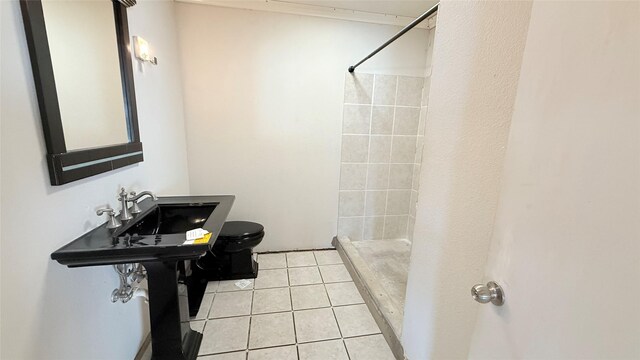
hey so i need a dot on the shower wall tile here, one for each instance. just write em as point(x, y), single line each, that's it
point(425, 91)
point(419, 149)
point(355, 148)
point(382, 120)
point(353, 176)
point(406, 121)
point(423, 120)
point(400, 176)
point(395, 227)
point(375, 202)
point(410, 226)
point(398, 202)
point(384, 89)
point(377, 176)
point(380, 149)
point(409, 91)
point(351, 227)
point(413, 203)
point(416, 177)
point(351, 203)
point(356, 119)
point(373, 228)
point(403, 149)
point(358, 88)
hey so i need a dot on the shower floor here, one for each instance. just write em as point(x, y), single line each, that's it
point(389, 260)
point(381, 268)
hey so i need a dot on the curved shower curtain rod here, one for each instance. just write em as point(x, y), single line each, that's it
point(396, 36)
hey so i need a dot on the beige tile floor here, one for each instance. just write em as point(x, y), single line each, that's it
point(302, 306)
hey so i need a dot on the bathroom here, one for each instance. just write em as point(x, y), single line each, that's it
point(486, 145)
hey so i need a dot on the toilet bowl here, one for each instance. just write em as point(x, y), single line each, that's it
point(231, 257)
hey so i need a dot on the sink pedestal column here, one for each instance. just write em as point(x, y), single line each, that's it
point(171, 334)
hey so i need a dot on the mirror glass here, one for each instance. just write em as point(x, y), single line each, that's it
point(86, 67)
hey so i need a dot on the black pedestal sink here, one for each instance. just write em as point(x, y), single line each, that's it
point(155, 238)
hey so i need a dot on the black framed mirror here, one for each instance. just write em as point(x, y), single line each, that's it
point(83, 72)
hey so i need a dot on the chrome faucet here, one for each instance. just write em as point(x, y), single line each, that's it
point(125, 214)
point(135, 209)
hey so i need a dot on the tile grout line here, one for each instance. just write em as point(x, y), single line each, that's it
point(250, 319)
point(378, 135)
point(382, 105)
point(372, 191)
point(410, 238)
point(296, 344)
point(393, 131)
point(206, 317)
point(284, 287)
point(250, 322)
point(378, 217)
point(247, 350)
point(391, 142)
point(293, 318)
point(379, 163)
point(293, 314)
point(366, 178)
point(340, 331)
point(222, 353)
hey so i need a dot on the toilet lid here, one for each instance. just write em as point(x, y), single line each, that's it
point(240, 229)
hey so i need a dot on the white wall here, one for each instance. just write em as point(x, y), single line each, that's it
point(476, 62)
point(566, 242)
point(48, 310)
point(263, 107)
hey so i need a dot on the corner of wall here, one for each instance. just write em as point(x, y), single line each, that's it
point(473, 88)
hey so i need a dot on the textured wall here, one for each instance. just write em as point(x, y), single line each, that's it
point(476, 61)
point(48, 310)
point(567, 229)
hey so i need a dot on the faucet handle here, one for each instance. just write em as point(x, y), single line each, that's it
point(106, 210)
point(113, 221)
point(123, 194)
point(131, 197)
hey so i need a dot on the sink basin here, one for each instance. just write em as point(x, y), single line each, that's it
point(156, 234)
point(172, 219)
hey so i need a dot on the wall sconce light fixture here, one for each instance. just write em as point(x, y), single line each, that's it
point(142, 50)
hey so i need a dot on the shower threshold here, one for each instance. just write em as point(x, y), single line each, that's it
point(380, 269)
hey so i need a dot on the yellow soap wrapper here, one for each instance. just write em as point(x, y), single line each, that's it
point(203, 240)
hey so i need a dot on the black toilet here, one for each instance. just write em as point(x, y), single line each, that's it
point(231, 256)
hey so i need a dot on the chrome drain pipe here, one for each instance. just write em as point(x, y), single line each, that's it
point(130, 276)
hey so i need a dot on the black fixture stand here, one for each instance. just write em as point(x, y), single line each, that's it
point(171, 335)
point(160, 254)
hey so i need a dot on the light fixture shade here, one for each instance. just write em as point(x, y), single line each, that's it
point(142, 50)
point(127, 3)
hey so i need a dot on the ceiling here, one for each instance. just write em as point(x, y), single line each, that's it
point(413, 8)
point(388, 12)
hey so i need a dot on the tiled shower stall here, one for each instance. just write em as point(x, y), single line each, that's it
point(383, 127)
point(382, 138)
